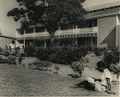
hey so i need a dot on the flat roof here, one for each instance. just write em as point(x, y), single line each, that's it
point(103, 6)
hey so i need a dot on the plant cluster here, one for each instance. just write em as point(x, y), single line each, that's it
point(29, 51)
point(78, 66)
point(40, 65)
point(64, 55)
point(99, 51)
point(111, 60)
point(8, 59)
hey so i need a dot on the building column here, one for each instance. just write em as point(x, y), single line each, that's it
point(76, 27)
point(85, 42)
point(33, 29)
point(117, 31)
point(91, 40)
point(45, 44)
point(76, 41)
point(24, 39)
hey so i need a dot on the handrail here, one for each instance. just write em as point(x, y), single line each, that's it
point(63, 32)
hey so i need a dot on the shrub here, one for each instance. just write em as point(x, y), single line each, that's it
point(43, 54)
point(40, 65)
point(79, 66)
point(99, 51)
point(63, 55)
point(3, 59)
point(115, 68)
point(29, 51)
point(112, 56)
point(100, 65)
point(5, 52)
point(11, 59)
point(8, 59)
point(111, 60)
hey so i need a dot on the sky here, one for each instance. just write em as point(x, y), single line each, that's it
point(8, 26)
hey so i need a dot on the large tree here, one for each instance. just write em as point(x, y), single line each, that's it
point(50, 13)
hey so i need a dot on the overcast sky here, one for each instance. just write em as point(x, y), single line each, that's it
point(7, 24)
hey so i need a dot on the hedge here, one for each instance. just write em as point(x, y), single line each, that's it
point(64, 55)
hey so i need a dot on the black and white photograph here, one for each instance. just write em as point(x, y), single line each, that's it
point(59, 47)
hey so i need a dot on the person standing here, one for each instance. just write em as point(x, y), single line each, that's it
point(108, 78)
point(12, 47)
point(20, 52)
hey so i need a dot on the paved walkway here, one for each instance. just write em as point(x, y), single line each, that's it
point(20, 81)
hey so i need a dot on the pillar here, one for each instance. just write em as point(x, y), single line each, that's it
point(33, 29)
point(24, 39)
point(85, 42)
point(45, 44)
point(76, 26)
point(117, 31)
point(76, 41)
point(91, 41)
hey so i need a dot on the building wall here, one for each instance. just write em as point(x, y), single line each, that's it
point(107, 31)
point(4, 42)
point(118, 32)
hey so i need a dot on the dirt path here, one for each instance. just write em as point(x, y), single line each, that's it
point(20, 81)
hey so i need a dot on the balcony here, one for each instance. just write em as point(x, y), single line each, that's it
point(76, 31)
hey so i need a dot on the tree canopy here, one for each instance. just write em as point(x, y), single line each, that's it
point(50, 13)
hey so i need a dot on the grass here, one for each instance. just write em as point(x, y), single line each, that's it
point(21, 81)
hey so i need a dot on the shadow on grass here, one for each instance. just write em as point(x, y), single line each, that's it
point(74, 75)
point(85, 85)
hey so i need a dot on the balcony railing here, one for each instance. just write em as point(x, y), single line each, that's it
point(62, 32)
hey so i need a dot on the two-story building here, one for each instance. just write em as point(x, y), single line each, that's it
point(100, 29)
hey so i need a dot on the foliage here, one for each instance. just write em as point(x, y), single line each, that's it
point(29, 50)
point(112, 56)
point(115, 68)
point(50, 13)
point(8, 59)
point(40, 65)
point(78, 66)
point(5, 52)
point(11, 59)
point(100, 65)
point(99, 51)
point(111, 60)
point(64, 55)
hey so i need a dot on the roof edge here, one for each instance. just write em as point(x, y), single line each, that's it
point(103, 6)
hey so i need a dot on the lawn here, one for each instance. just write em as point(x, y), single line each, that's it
point(22, 81)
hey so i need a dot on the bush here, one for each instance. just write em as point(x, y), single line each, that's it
point(11, 59)
point(29, 51)
point(5, 52)
point(112, 56)
point(8, 59)
point(111, 60)
point(43, 54)
point(99, 51)
point(115, 68)
point(79, 66)
point(64, 55)
point(100, 65)
point(3, 59)
point(40, 65)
